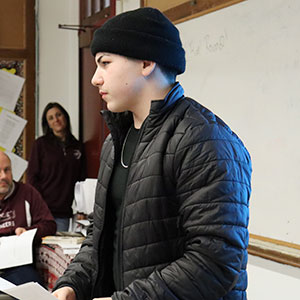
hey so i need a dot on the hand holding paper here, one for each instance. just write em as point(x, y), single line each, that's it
point(17, 249)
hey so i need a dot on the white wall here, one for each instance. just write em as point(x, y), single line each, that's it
point(271, 280)
point(125, 5)
point(57, 58)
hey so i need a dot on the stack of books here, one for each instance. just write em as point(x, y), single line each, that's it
point(69, 243)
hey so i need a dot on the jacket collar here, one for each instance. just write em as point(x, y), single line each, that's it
point(158, 107)
point(119, 123)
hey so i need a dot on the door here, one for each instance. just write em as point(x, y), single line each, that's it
point(93, 129)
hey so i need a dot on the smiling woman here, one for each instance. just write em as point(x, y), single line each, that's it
point(57, 122)
point(56, 163)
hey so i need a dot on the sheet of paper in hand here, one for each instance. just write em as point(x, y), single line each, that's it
point(16, 250)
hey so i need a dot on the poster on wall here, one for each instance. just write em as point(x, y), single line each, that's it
point(11, 127)
point(11, 114)
point(18, 164)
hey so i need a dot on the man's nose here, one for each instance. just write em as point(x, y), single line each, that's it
point(97, 79)
point(2, 174)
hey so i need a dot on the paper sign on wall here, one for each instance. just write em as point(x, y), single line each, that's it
point(10, 89)
point(11, 127)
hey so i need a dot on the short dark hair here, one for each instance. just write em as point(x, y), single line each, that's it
point(46, 129)
point(169, 73)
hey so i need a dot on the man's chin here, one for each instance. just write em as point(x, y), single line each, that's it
point(115, 109)
point(4, 190)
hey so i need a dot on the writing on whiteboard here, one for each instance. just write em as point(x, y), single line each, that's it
point(209, 43)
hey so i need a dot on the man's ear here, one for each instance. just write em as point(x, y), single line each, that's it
point(148, 67)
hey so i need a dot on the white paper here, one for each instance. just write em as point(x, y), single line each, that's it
point(18, 164)
point(84, 193)
point(71, 251)
point(26, 291)
point(10, 89)
point(84, 223)
point(5, 284)
point(82, 226)
point(11, 127)
point(16, 250)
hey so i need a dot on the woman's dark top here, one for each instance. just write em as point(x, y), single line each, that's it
point(54, 168)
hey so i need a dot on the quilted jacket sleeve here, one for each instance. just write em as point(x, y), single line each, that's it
point(212, 171)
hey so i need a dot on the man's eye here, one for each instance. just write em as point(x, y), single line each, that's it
point(104, 63)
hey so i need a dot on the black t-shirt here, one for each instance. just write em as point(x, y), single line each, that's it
point(117, 190)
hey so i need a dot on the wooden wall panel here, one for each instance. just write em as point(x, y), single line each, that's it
point(164, 5)
point(180, 11)
point(12, 24)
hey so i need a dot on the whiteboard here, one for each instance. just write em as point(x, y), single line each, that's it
point(243, 63)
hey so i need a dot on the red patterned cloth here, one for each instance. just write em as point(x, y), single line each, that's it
point(51, 263)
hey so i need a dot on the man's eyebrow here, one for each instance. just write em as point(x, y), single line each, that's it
point(100, 57)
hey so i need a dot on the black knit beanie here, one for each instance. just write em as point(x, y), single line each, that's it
point(144, 33)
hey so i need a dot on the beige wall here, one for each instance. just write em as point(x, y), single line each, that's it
point(58, 58)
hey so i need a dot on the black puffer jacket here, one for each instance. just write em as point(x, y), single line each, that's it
point(184, 214)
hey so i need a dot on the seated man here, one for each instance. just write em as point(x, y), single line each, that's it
point(21, 208)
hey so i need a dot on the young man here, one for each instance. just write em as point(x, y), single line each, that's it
point(171, 209)
point(21, 208)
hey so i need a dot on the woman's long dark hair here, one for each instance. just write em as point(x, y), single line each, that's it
point(46, 129)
